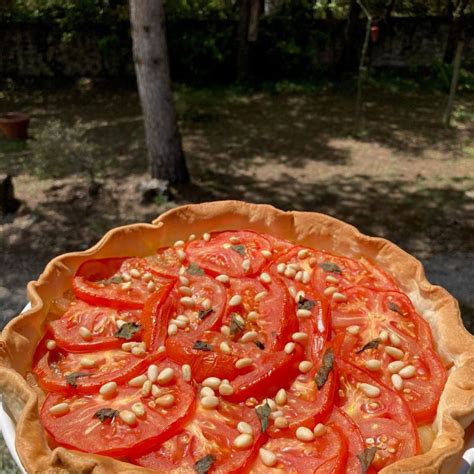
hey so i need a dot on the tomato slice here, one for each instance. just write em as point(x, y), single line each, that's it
point(385, 421)
point(61, 371)
point(83, 428)
point(109, 282)
point(100, 321)
point(226, 252)
point(326, 454)
point(374, 312)
point(164, 262)
point(211, 433)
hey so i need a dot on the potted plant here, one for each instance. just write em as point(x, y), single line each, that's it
point(14, 125)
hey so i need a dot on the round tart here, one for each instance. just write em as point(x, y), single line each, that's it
point(235, 337)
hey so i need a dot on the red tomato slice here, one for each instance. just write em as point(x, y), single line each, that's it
point(211, 433)
point(60, 371)
point(80, 428)
point(326, 454)
point(354, 439)
point(104, 282)
point(165, 262)
point(220, 255)
point(376, 311)
point(100, 321)
point(385, 420)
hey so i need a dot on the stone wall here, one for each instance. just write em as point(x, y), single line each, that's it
point(196, 48)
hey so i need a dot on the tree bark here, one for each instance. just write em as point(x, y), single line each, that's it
point(150, 53)
point(454, 84)
point(456, 28)
point(247, 36)
point(348, 58)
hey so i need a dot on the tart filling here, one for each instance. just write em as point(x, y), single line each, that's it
point(237, 351)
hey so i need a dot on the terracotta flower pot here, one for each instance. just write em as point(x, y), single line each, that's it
point(14, 125)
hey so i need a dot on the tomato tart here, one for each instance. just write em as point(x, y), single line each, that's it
point(231, 337)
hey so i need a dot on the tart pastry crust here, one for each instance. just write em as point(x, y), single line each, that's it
point(22, 396)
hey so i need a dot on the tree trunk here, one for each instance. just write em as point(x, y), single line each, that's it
point(348, 59)
point(454, 84)
point(247, 36)
point(150, 53)
point(456, 28)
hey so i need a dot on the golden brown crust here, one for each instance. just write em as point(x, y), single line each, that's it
point(436, 305)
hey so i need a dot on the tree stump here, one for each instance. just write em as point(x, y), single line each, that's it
point(8, 202)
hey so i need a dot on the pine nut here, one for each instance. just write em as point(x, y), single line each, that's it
point(87, 362)
point(260, 296)
point(179, 243)
point(179, 323)
point(181, 254)
point(246, 265)
point(281, 267)
point(370, 390)
point(184, 280)
point(294, 266)
point(139, 409)
point(85, 333)
point(108, 389)
point(206, 237)
point(252, 316)
point(243, 441)
point(280, 397)
point(281, 423)
point(299, 276)
point(165, 401)
point(225, 348)
point(292, 291)
point(128, 417)
point(161, 349)
point(397, 382)
point(394, 352)
point(151, 286)
point(339, 296)
point(305, 366)
point(271, 403)
point(303, 253)
point(126, 286)
point(276, 414)
point(407, 372)
point(152, 372)
point(289, 272)
point(59, 409)
point(183, 318)
point(396, 366)
point(192, 237)
point(206, 303)
point(265, 278)
point(383, 336)
point(119, 323)
point(185, 290)
point(206, 392)
point(135, 273)
point(304, 434)
point(155, 390)
point(244, 427)
point(138, 349)
point(300, 337)
point(303, 313)
point(244, 362)
point(267, 457)
point(289, 347)
point(126, 276)
point(165, 376)
point(235, 300)
point(186, 370)
point(50, 345)
point(394, 339)
point(306, 278)
point(210, 401)
point(226, 389)
point(212, 382)
point(138, 381)
point(225, 330)
point(223, 278)
point(127, 346)
point(353, 329)
point(373, 364)
point(266, 254)
point(187, 301)
point(147, 276)
point(234, 240)
point(332, 279)
point(146, 388)
point(319, 430)
point(249, 336)
point(329, 290)
point(172, 329)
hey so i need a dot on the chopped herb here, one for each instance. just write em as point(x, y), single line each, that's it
point(106, 414)
point(239, 249)
point(304, 303)
point(115, 279)
point(204, 313)
point(370, 345)
point(194, 269)
point(202, 346)
point(325, 369)
point(71, 379)
point(330, 267)
point(127, 331)
point(394, 307)
point(260, 345)
point(235, 324)
point(204, 464)
point(263, 413)
point(366, 457)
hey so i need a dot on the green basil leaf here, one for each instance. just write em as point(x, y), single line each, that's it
point(202, 346)
point(304, 303)
point(235, 324)
point(204, 464)
point(71, 379)
point(127, 331)
point(204, 313)
point(194, 269)
point(374, 344)
point(366, 457)
point(330, 267)
point(325, 369)
point(263, 413)
point(240, 249)
point(106, 414)
point(394, 307)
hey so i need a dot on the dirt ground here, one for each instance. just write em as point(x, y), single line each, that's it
point(405, 177)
